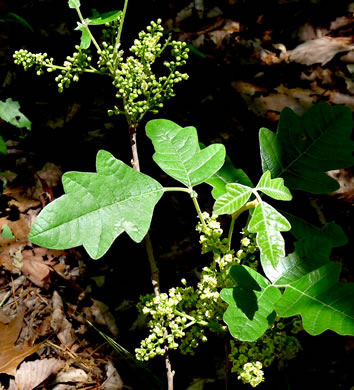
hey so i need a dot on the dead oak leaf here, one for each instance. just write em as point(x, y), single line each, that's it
point(12, 355)
point(320, 50)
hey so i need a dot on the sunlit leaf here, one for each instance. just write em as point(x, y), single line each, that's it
point(98, 207)
point(273, 187)
point(74, 3)
point(178, 153)
point(236, 196)
point(267, 222)
point(251, 304)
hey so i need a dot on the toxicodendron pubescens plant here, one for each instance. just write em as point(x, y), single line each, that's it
point(257, 293)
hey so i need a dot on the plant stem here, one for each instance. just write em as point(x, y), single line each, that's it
point(121, 22)
point(87, 27)
point(151, 257)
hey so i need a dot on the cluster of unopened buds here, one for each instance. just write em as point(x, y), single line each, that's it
point(137, 85)
point(74, 66)
point(27, 60)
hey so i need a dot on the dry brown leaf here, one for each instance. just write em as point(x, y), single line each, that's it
point(113, 381)
point(341, 98)
point(21, 198)
point(72, 375)
point(12, 355)
point(320, 50)
point(31, 374)
point(58, 312)
point(345, 179)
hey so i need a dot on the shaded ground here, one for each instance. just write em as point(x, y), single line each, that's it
point(243, 74)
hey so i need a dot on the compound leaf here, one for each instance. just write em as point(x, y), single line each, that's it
point(178, 153)
point(274, 188)
point(98, 207)
point(304, 149)
point(236, 196)
point(251, 304)
point(321, 300)
point(267, 222)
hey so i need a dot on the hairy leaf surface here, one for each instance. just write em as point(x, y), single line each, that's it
point(267, 222)
point(251, 304)
point(304, 149)
point(321, 300)
point(98, 207)
point(178, 153)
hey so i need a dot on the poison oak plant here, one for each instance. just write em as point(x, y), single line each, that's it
point(253, 293)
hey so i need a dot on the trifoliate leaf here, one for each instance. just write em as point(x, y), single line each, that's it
point(227, 174)
point(251, 304)
point(304, 149)
point(74, 3)
point(267, 222)
point(10, 112)
point(273, 187)
point(321, 300)
point(85, 41)
point(177, 152)
point(98, 207)
point(106, 17)
point(236, 196)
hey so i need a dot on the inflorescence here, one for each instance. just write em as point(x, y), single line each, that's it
point(139, 89)
point(179, 318)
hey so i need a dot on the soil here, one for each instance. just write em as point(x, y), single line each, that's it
point(238, 83)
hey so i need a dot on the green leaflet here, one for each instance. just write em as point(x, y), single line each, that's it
point(178, 153)
point(304, 149)
point(74, 3)
point(10, 112)
point(273, 187)
point(251, 304)
point(106, 17)
point(227, 174)
point(236, 196)
point(321, 300)
point(267, 222)
point(85, 40)
point(98, 207)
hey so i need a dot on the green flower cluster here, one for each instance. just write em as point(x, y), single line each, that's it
point(73, 67)
point(27, 60)
point(138, 88)
point(178, 319)
point(275, 344)
point(252, 373)
point(247, 254)
point(137, 85)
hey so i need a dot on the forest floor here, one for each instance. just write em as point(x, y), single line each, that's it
point(59, 308)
